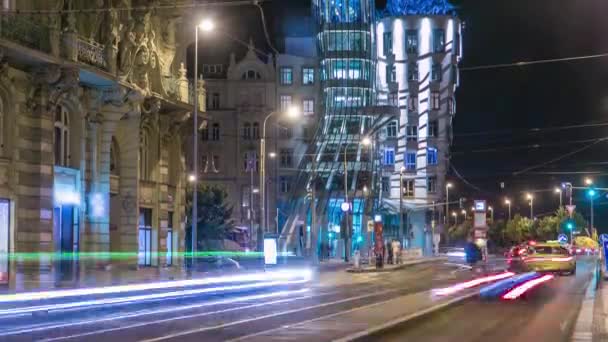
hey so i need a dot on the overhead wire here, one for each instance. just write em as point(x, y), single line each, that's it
point(533, 62)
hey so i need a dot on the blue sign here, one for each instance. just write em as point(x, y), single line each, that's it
point(562, 238)
point(603, 237)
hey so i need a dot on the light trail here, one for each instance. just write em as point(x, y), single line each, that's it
point(32, 329)
point(304, 274)
point(131, 299)
point(527, 286)
point(471, 283)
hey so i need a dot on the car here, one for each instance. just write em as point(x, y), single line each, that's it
point(548, 257)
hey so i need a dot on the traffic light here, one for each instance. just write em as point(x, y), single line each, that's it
point(591, 192)
point(570, 225)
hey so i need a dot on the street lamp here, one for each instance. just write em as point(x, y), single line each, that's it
point(464, 212)
point(272, 155)
point(447, 202)
point(455, 218)
point(191, 178)
point(508, 203)
point(491, 213)
point(531, 198)
point(588, 181)
point(366, 141)
point(591, 193)
point(559, 191)
point(206, 25)
point(291, 112)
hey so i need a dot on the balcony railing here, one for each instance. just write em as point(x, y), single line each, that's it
point(91, 53)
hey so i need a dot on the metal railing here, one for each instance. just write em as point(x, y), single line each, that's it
point(25, 31)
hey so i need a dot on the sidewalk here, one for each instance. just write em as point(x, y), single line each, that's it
point(393, 267)
point(599, 327)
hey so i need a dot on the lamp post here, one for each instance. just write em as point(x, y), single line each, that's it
point(559, 191)
point(508, 203)
point(207, 26)
point(401, 200)
point(531, 198)
point(491, 213)
point(464, 212)
point(591, 193)
point(455, 218)
point(447, 202)
point(292, 112)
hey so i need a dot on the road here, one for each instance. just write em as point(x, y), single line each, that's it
point(548, 313)
point(219, 316)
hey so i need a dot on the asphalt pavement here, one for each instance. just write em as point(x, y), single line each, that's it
point(223, 315)
point(547, 313)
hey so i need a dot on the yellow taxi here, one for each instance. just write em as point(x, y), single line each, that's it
point(548, 257)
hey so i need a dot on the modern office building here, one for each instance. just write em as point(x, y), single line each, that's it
point(95, 119)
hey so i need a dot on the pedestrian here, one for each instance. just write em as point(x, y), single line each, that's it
point(472, 252)
point(396, 246)
point(390, 253)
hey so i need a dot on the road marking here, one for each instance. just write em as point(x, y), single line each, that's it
point(282, 313)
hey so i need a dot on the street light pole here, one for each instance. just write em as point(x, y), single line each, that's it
point(401, 201)
point(531, 198)
point(447, 203)
point(347, 212)
point(263, 172)
point(195, 147)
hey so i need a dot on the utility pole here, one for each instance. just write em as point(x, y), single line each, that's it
point(401, 202)
point(313, 227)
point(347, 212)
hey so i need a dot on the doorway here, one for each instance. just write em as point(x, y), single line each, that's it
point(144, 255)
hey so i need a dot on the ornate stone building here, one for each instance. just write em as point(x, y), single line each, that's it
point(95, 119)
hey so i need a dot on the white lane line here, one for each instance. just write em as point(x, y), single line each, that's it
point(282, 313)
point(237, 300)
point(12, 313)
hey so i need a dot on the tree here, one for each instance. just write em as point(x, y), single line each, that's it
point(461, 231)
point(214, 216)
point(519, 229)
point(496, 233)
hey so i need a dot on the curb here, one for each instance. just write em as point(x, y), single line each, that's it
point(364, 335)
point(583, 327)
point(396, 268)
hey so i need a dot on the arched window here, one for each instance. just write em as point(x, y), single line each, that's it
point(246, 131)
point(114, 158)
point(144, 172)
point(256, 130)
point(62, 136)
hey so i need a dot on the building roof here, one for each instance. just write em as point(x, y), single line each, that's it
point(418, 7)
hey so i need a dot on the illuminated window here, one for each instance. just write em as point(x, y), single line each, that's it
point(285, 102)
point(408, 187)
point(411, 132)
point(286, 76)
point(308, 107)
point(431, 156)
point(435, 100)
point(410, 160)
point(438, 40)
point(433, 128)
point(391, 129)
point(412, 72)
point(308, 76)
point(412, 41)
point(431, 185)
point(62, 136)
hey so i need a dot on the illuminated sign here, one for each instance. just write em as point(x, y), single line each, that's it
point(378, 218)
point(270, 251)
point(480, 206)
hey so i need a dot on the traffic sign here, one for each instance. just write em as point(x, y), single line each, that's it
point(570, 209)
point(562, 238)
point(603, 237)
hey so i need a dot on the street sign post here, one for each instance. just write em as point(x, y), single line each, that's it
point(570, 209)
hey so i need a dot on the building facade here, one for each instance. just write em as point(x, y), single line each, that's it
point(95, 119)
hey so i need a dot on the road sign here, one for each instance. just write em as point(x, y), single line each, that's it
point(603, 237)
point(562, 238)
point(370, 226)
point(570, 209)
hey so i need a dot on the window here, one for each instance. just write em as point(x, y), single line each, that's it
point(431, 185)
point(411, 133)
point(386, 184)
point(438, 40)
point(408, 187)
point(256, 130)
point(62, 136)
point(215, 101)
point(286, 76)
point(246, 131)
point(308, 76)
point(435, 101)
point(389, 156)
point(284, 184)
point(114, 158)
point(436, 73)
point(433, 128)
point(251, 75)
point(216, 163)
point(431, 156)
point(285, 102)
point(412, 41)
point(391, 73)
point(285, 132)
point(410, 160)
point(205, 131)
point(391, 129)
point(451, 106)
point(286, 157)
point(215, 131)
point(412, 72)
point(144, 173)
point(412, 103)
point(169, 241)
point(144, 254)
point(308, 107)
point(393, 99)
point(388, 43)
point(250, 161)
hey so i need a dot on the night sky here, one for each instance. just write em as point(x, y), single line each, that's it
point(501, 113)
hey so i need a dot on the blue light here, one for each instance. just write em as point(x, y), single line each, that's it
point(331, 235)
point(418, 7)
point(570, 225)
point(359, 238)
point(591, 192)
